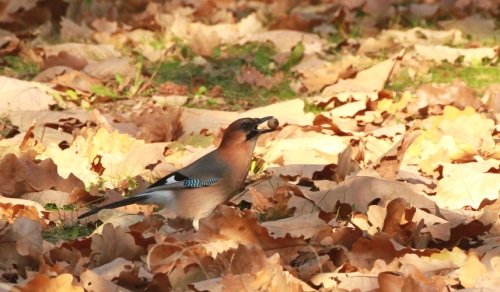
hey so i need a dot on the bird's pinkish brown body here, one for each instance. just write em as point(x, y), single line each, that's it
point(195, 190)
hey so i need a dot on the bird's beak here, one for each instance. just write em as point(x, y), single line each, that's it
point(260, 121)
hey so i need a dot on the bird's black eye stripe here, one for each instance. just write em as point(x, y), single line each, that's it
point(246, 125)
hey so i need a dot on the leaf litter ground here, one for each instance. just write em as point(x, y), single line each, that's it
point(382, 176)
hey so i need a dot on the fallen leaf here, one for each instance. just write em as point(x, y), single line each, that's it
point(364, 80)
point(286, 40)
point(111, 244)
point(471, 271)
point(18, 95)
point(26, 175)
point(305, 226)
point(64, 58)
point(360, 191)
point(440, 53)
point(61, 283)
point(467, 187)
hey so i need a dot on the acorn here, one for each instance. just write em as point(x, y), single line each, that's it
point(273, 123)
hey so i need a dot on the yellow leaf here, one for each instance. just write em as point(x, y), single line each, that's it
point(471, 272)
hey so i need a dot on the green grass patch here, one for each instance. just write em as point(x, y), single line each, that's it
point(402, 81)
point(63, 231)
point(221, 71)
point(53, 207)
point(478, 77)
point(16, 67)
point(66, 232)
point(311, 107)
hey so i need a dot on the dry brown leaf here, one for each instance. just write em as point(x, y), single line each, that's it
point(346, 165)
point(415, 281)
point(8, 42)
point(152, 124)
point(108, 69)
point(304, 226)
point(18, 95)
point(317, 73)
point(204, 38)
point(89, 52)
point(25, 175)
point(225, 229)
point(349, 110)
point(12, 209)
point(64, 58)
point(251, 76)
point(286, 40)
point(183, 263)
point(70, 30)
point(453, 136)
point(360, 191)
point(112, 273)
point(457, 94)
point(293, 145)
point(364, 80)
point(21, 245)
point(94, 282)
point(260, 201)
point(339, 281)
point(113, 243)
point(271, 278)
point(388, 165)
point(467, 187)
point(395, 212)
point(59, 198)
point(123, 156)
point(471, 271)
point(78, 80)
point(61, 283)
point(440, 53)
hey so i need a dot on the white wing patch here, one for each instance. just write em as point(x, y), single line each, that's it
point(162, 198)
point(171, 180)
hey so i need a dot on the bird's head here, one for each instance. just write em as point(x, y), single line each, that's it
point(244, 130)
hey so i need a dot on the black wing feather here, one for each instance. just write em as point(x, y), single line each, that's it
point(121, 203)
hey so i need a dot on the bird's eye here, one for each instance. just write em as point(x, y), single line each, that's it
point(246, 125)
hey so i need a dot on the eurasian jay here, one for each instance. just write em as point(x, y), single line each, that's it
point(195, 190)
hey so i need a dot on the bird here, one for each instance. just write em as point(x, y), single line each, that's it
point(194, 191)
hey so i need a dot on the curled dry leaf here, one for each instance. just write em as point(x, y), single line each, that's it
point(225, 229)
point(26, 175)
point(388, 165)
point(361, 191)
point(152, 124)
point(21, 245)
point(415, 281)
point(457, 94)
point(364, 80)
point(183, 263)
point(12, 209)
point(64, 58)
point(111, 244)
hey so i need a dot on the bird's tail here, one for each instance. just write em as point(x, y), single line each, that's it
point(121, 203)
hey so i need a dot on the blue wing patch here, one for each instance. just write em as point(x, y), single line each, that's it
point(198, 183)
